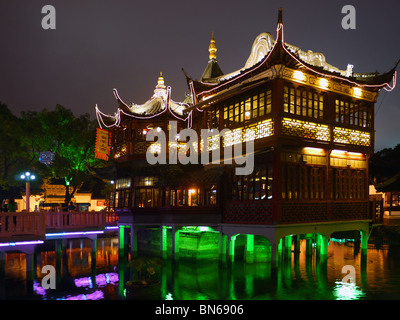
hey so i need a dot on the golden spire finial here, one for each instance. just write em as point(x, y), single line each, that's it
point(160, 80)
point(212, 48)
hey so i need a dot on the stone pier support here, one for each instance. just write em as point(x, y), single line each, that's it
point(164, 242)
point(322, 245)
point(175, 243)
point(231, 248)
point(249, 248)
point(275, 252)
point(222, 247)
point(134, 241)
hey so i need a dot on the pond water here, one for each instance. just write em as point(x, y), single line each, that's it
point(84, 274)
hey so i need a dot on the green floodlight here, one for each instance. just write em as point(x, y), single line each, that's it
point(67, 181)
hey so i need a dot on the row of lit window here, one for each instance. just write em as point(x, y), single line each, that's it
point(256, 186)
point(249, 107)
point(303, 158)
point(321, 160)
point(303, 102)
point(358, 164)
point(149, 197)
point(348, 112)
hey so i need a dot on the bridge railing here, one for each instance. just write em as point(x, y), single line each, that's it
point(36, 223)
point(22, 223)
point(77, 219)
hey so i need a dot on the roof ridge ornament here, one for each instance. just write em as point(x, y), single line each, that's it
point(160, 81)
point(161, 89)
point(279, 28)
point(280, 20)
point(212, 48)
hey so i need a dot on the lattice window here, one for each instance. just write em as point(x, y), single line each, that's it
point(348, 136)
point(305, 129)
point(252, 132)
point(303, 182)
point(348, 184)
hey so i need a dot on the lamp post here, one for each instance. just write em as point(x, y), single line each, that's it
point(28, 177)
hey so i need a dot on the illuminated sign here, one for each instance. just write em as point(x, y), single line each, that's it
point(102, 149)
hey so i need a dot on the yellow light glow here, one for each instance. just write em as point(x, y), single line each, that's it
point(347, 154)
point(323, 83)
point(314, 151)
point(298, 75)
point(339, 153)
point(355, 154)
point(357, 91)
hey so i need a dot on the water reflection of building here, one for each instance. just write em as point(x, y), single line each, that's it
point(312, 125)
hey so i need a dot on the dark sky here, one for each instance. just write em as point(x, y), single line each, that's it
point(99, 45)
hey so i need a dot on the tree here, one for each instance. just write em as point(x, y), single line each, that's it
point(70, 138)
point(385, 164)
point(13, 153)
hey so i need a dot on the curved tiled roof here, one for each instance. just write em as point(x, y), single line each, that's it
point(158, 104)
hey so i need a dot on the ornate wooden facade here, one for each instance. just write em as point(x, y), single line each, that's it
point(313, 131)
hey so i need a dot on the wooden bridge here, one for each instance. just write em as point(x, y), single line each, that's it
point(28, 226)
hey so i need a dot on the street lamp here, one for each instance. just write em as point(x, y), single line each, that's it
point(28, 177)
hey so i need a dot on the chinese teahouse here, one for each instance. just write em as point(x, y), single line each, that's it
point(312, 125)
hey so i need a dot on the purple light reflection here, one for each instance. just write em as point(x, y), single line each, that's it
point(101, 280)
point(97, 295)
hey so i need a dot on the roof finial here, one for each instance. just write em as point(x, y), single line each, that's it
point(212, 48)
point(160, 89)
point(160, 80)
point(280, 16)
point(279, 29)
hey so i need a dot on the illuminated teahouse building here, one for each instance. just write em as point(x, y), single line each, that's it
point(313, 129)
point(312, 125)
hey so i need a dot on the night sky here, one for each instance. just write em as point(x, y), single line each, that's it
point(99, 45)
